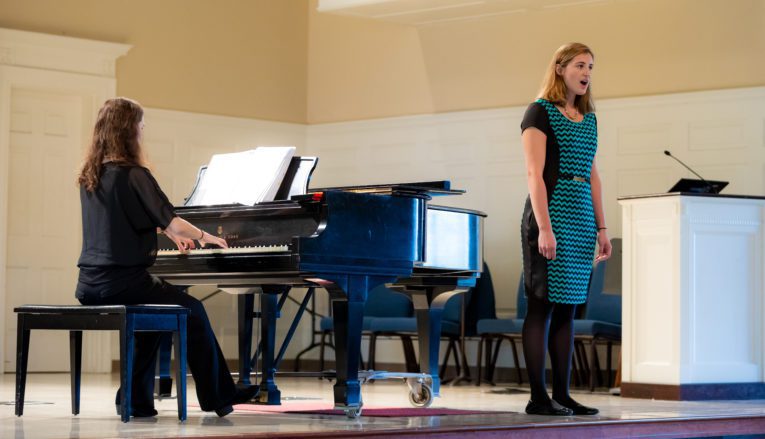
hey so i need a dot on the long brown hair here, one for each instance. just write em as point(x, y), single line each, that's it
point(553, 87)
point(115, 137)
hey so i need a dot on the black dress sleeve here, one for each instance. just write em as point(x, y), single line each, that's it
point(154, 202)
point(536, 116)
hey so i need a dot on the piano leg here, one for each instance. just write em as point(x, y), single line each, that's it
point(348, 294)
point(429, 325)
point(245, 308)
point(269, 309)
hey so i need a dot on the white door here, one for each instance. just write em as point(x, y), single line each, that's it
point(44, 236)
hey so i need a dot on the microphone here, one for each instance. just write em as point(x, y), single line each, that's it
point(709, 186)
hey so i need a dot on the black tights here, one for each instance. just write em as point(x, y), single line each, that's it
point(551, 326)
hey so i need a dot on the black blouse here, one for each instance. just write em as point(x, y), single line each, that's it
point(120, 219)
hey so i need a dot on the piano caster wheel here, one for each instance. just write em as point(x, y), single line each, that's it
point(423, 398)
point(352, 412)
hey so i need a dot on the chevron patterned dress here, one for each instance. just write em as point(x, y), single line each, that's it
point(571, 148)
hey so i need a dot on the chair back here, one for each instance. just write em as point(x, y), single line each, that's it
point(482, 304)
point(453, 308)
point(602, 305)
point(384, 302)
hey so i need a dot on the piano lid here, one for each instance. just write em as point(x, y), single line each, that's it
point(432, 188)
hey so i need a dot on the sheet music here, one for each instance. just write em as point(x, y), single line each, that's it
point(246, 177)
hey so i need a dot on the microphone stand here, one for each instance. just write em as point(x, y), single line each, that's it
point(709, 188)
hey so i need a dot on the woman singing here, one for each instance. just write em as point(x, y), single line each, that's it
point(122, 209)
point(562, 222)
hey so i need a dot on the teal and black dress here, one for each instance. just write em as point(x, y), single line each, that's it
point(569, 155)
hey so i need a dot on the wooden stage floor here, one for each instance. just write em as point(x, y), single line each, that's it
point(47, 415)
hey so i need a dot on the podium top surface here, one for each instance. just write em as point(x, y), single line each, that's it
point(689, 194)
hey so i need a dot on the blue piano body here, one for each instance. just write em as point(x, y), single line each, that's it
point(346, 240)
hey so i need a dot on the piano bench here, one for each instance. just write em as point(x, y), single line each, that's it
point(126, 319)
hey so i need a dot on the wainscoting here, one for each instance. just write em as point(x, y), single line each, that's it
point(718, 133)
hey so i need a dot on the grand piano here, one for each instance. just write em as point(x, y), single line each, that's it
point(347, 240)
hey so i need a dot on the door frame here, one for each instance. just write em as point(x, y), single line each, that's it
point(61, 65)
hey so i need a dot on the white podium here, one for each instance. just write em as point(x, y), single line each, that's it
point(693, 299)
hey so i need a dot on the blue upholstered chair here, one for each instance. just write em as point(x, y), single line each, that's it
point(459, 320)
point(497, 330)
point(601, 322)
point(405, 328)
point(381, 303)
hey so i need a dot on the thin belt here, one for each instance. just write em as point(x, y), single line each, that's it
point(574, 177)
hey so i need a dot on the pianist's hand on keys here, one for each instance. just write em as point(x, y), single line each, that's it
point(186, 244)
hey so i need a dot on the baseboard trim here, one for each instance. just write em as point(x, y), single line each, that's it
point(694, 392)
point(502, 375)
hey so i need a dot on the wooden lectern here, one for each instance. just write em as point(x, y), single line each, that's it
point(693, 296)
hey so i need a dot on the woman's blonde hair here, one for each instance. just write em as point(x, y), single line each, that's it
point(115, 137)
point(553, 87)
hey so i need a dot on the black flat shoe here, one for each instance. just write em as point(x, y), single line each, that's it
point(246, 394)
point(242, 395)
point(580, 409)
point(136, 412)
point(223, 411)
point(550, 408)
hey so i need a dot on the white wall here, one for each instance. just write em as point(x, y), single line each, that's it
point(718, 133)
point(721, 134)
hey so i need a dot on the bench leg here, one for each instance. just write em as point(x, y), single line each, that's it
point(127, 347)
point(180, 369)
point(75, 367)
point(165, 384)
point(22, 357)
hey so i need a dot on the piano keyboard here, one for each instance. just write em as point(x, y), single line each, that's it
point(226, 251)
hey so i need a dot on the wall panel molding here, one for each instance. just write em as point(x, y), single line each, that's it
point(480, 151)
point(55, 52)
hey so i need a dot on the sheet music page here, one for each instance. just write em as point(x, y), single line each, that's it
point(246, 177)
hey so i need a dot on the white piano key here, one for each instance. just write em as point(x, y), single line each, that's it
point(226, 251)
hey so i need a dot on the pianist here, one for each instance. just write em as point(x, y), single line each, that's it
point(122, 209)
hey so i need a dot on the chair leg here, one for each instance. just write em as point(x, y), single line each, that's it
point(442, 372)
point(479, 360)
point(75, 367)
point(594, 368)
point(409, 356)
point(322, 346)
point(493, 364)
point(457, 363)
point(576, 365)
point(127, 342)
point(22, 357)
point(463, 361)
point(608, 363)
point(516, 361)
point(372, 361)
point(584, 364)
point(180, 365)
